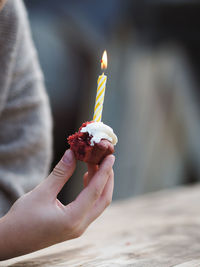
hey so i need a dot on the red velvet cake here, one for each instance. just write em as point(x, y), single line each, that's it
point(93, 142)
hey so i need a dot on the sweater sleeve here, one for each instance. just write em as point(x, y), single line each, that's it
point(25, 118)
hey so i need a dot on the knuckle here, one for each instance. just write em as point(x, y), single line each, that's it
point(96, 192)
point(78, 232)
point(74, 227)
point(107, 171)
point(108, 201)
point(58, 171)
point(71, 230)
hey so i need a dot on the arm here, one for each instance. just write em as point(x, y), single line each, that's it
point(38, 219)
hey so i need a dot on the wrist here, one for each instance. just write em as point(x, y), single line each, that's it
point(6, 234)
point(11, 237)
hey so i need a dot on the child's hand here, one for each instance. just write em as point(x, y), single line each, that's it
point(39, 219)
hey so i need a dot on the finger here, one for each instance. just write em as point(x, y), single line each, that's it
point(93, 191)
point(103, 202)
point(60, 174)
point(92, 169)
point(85, 179)
point(109, 185)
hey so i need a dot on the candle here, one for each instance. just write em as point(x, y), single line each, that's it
point(101, 86)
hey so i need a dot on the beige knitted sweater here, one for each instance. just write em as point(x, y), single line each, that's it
point(25, 121)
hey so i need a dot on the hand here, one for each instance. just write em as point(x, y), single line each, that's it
point(38, 219)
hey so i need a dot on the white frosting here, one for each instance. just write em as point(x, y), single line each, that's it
point(98, 131)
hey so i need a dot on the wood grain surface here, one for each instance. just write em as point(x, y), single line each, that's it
point(156, 230)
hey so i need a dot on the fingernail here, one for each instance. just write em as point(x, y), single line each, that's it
point(68, 157)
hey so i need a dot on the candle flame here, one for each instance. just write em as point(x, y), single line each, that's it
point(104, 60)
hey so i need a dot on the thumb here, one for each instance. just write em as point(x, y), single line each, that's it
point(60, 174)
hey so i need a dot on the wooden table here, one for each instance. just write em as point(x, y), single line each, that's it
point(160, 229)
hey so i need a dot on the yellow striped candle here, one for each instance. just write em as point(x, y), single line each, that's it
point(101, 86)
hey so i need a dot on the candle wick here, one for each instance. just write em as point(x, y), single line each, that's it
point(103, 73)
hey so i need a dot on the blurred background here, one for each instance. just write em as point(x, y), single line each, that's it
point(152, 99)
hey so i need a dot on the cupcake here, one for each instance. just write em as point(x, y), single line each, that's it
point(93, 142)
